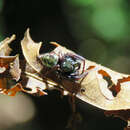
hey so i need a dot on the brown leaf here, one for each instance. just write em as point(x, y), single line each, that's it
point(123, 114)
point(5, 50)
point(6, 60)
point(4, 46)
point(9, 67)
point(15, 70)
point(12, 91)
point(96, 89)
point(31, 51)
point(3, 84)
point(33, 84)
point(31, 81)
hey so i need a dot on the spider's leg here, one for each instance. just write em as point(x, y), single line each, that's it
point(77, 77)
point(51, 70)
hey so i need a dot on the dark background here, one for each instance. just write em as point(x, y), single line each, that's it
point(83, 26)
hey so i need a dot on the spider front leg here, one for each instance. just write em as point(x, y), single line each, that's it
point(77, 77)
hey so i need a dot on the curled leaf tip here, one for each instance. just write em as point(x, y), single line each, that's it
point(13, 37)
point(27, 34)
point(9, 40)
point(28, 29)
point(4, 45)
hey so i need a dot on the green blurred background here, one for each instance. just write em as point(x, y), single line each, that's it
point(96, 29)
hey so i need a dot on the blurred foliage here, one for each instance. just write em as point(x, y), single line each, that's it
point(102, 29)
point(107, 18)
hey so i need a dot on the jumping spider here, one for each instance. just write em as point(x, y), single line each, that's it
point(67, 65)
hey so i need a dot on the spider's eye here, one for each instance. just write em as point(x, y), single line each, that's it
point(49, 60)
point(69, 65)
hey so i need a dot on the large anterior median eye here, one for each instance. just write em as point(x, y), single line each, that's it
point(49, 60)
point(69, 65)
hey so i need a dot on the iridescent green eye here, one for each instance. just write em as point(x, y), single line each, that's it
point(49, 60)
point(69, 65)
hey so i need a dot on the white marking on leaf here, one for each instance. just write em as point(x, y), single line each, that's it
point(104, 87)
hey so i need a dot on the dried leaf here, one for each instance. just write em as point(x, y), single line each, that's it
point(99, 86)
point(4, 46)
point(6, 60)
point(15, 70)
point(3, 84)
point(12, 91)
point(5, 50)
point(9, 67)
point(97, 92)
point(96, 88)
point(33, 84)
point(31, 51)
point(123, 114)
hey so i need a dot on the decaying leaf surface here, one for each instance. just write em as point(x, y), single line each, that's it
point(31, 51)
point(125, 115)
point(4, 46)
point(99, 86)
point(95, 84)
point(10, 70)
point(33, 84)
point(103, 88)
point(6, 60)
point(99, 91)
point(15, 70)
point(9, 65)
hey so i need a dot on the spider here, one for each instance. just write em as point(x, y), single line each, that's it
point(67, 65)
